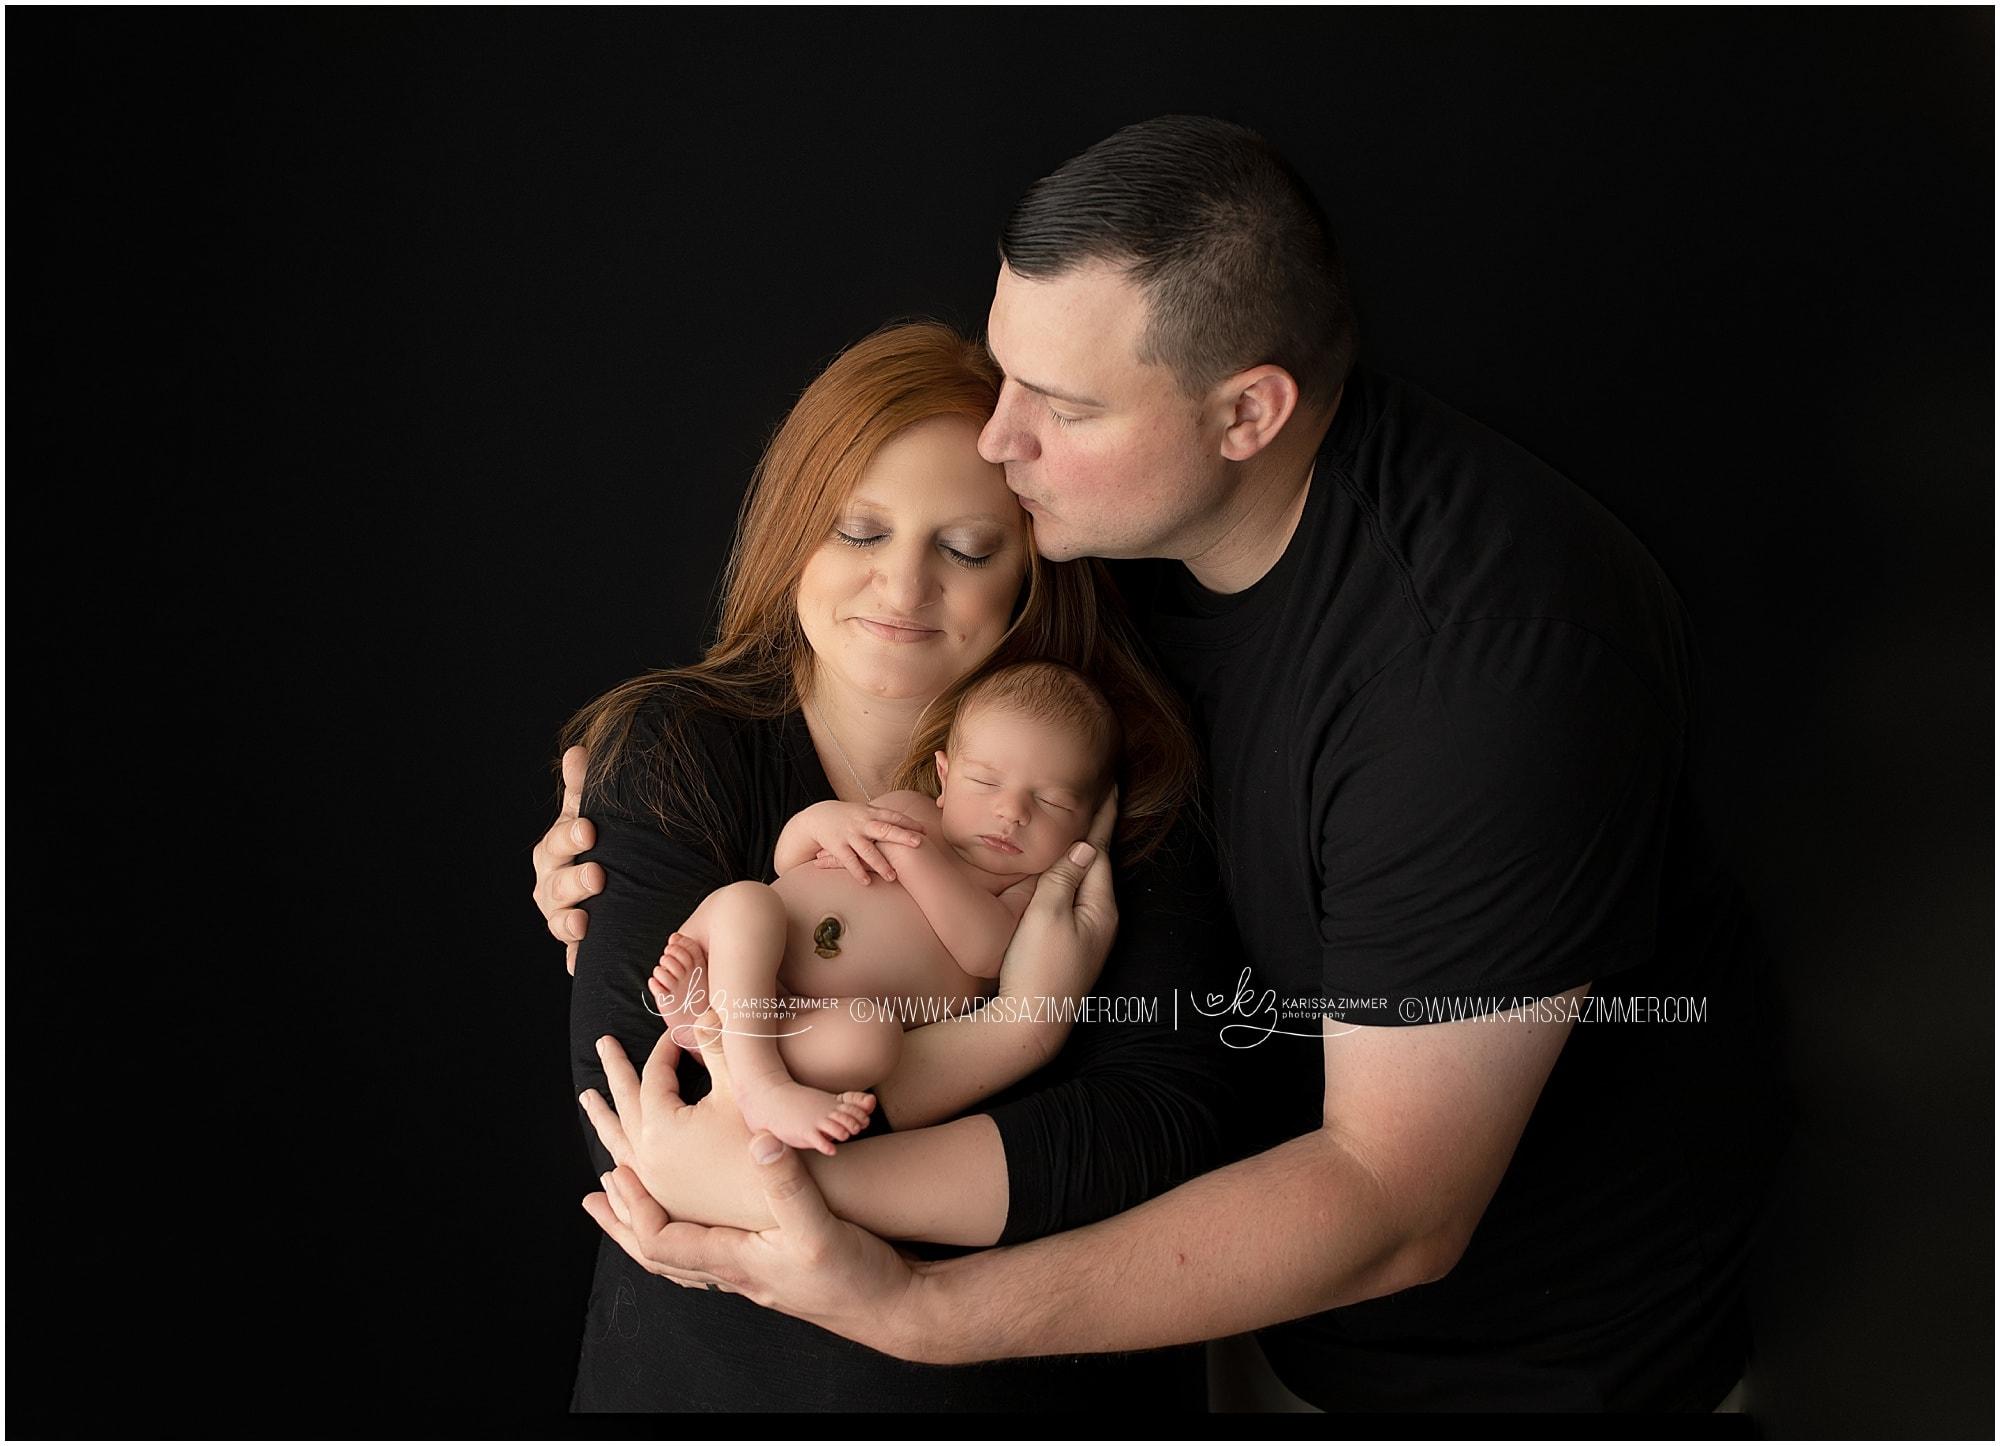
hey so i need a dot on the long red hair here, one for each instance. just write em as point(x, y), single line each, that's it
point(760, 664)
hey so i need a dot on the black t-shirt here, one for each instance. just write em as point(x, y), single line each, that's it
point(1448, 737)
point(1126, 1111)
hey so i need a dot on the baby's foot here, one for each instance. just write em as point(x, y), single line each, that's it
point(682, 973)
point(805, 1118)
point(670, 1050)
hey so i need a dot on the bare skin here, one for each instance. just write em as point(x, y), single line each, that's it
point(918, 933)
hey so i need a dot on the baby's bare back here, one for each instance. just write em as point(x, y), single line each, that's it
point(844, 939)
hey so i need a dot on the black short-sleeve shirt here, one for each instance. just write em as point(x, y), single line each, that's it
point(1448, 736)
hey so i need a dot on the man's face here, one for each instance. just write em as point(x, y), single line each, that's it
point(1107, 453)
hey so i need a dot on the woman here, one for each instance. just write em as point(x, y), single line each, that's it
point(878, 562)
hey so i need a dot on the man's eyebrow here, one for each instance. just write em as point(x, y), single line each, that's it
point(1070, 397)
point(1041, 391)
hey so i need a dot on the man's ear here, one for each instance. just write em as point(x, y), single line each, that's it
point(1260, 402)
point(943, 767)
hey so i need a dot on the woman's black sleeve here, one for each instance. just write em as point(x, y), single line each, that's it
point(1133, 1105)
point(653, 879)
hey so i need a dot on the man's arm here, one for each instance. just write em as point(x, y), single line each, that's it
point(1418, 1127)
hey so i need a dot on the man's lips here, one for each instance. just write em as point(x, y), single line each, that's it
point(895, 632)
point(995, 842)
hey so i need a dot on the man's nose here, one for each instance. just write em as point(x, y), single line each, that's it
point(1002, 439)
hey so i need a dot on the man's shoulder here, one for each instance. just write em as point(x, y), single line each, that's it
point(1480, 526)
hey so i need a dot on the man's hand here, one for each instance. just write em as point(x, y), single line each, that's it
point(559, 884)
point(810, 1264)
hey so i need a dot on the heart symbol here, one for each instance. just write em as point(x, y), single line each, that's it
point(1214, 1001)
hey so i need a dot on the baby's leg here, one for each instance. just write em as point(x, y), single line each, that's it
point(741, 930)
point(841, 1052)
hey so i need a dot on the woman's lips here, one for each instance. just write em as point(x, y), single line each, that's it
point(1001, 845)
point(896, 632)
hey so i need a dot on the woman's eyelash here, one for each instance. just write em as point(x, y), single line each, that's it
point(964, 558)
point(1061, 420)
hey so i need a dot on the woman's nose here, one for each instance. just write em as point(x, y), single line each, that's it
point(906, 583)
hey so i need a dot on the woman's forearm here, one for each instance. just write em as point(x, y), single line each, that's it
point(946, 1184)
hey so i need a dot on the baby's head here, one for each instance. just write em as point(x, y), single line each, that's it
point(1032, 751)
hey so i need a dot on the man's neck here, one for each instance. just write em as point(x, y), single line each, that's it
point(1263, 512)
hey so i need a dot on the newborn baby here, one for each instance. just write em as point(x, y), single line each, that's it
point(1030, 757)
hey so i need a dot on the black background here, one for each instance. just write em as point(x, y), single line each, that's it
point(382, 386)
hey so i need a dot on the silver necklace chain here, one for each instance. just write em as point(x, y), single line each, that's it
point(866, 794)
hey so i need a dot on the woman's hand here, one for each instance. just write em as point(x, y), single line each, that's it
point(694, 1159)
point(807, 1262)
point(559, 884)
point(1061, 944)
point(846, 835)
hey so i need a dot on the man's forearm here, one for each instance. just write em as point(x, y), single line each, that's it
point(1186, 1266)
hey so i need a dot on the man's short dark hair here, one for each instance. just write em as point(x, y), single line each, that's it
point(1235, 257)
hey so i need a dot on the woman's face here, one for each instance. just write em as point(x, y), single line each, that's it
point(917, 581)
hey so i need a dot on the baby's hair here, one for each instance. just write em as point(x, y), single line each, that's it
point(1052, 693)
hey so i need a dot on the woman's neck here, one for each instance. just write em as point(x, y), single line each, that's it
point(861, 741)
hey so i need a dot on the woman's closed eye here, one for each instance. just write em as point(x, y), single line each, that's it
point(964, 559)
point(1063, 421)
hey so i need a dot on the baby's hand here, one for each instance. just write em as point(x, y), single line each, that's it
point(847, 835)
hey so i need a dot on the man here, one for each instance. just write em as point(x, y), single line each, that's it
point(1447, 703)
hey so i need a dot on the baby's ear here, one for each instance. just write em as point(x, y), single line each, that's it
point(943, 765)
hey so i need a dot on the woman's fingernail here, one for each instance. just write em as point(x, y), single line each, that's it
point(1081, 854)
point(765, 1148)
